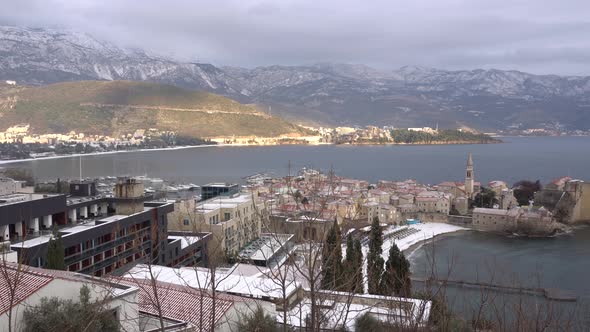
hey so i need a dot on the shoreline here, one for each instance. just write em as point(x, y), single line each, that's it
point(12, 161)
point(408, 252)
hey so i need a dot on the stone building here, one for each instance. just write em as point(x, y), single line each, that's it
point(529, 221)
point(568, 199)
point(507, 199)
point(497, 187)
point(433, 202)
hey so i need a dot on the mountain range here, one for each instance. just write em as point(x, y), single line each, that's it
point(325, 93)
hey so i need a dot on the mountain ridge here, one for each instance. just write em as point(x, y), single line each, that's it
point(120, 107)
point(324, 93)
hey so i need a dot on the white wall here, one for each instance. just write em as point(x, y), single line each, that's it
point(126, 304)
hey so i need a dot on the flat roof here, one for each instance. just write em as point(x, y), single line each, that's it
point(82, 226)
point(265, 247)
point(81, 199)
point(221, 202)
point(228, 282)
point(220, 184)
point(18, 198)
point(185, 241)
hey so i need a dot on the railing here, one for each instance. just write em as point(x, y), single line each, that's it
point(104, 246)
point(115, 258)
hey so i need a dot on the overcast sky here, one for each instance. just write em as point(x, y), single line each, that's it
point(538, 36)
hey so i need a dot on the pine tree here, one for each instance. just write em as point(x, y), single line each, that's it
point(55, 252)
point(332, 259)
point(396, 279)
point(374, 259)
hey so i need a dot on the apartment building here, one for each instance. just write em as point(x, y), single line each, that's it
point(100, 234)
point(233, 221)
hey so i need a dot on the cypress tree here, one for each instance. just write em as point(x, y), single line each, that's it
point(396, 279)
point(403, 284)
point(353, 266)
point(358, 264)
point(374, 259)
point(332, 259)
point(55, 252)
point(348, 267)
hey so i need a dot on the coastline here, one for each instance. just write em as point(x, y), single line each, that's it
point(409, 252)
point(428, 231)
point(13, 161)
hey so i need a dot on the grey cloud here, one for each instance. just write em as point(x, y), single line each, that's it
point(540, 36)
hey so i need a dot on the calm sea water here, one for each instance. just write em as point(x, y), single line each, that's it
point(559, 262)
point(518, 158)
point(556, 262)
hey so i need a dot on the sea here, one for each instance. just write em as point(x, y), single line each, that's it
point(542, 158)
point(561, 262)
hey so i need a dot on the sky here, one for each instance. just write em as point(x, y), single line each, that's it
point(538, 36)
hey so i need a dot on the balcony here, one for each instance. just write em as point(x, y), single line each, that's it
point(70, 259)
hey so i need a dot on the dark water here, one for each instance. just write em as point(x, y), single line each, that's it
point(558, 262)
point(519, 158)
point(561, 262)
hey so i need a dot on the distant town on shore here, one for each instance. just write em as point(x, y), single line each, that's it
point(18, 142)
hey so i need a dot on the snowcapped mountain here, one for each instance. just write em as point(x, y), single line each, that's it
point(325, 93)
point(40, 56)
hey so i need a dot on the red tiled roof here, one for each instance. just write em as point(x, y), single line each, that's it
point(180, 302)
point(24, 281)
point(561, 180)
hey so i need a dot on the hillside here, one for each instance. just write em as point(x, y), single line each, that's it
point(120, 107)
point(334, 94)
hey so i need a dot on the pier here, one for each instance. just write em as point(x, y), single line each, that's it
point(553, 294)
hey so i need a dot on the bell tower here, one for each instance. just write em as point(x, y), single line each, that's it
point(469, 178)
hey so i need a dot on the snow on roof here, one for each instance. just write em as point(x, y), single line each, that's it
point(185, 241)
point(339, 309)
point(247, 286)
point(180, 302)
point(223, 202)
point(497, 212)
point(81, 227)
point(447, 184)
point(265, 247)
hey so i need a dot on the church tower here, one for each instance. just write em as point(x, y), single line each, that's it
point(469, 178)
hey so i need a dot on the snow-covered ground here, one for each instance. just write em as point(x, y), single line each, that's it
point(425, 232)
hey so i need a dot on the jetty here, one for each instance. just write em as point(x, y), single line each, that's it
point(553, 294)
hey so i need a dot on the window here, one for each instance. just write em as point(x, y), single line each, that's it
point(226, 216)
point(185, 222)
